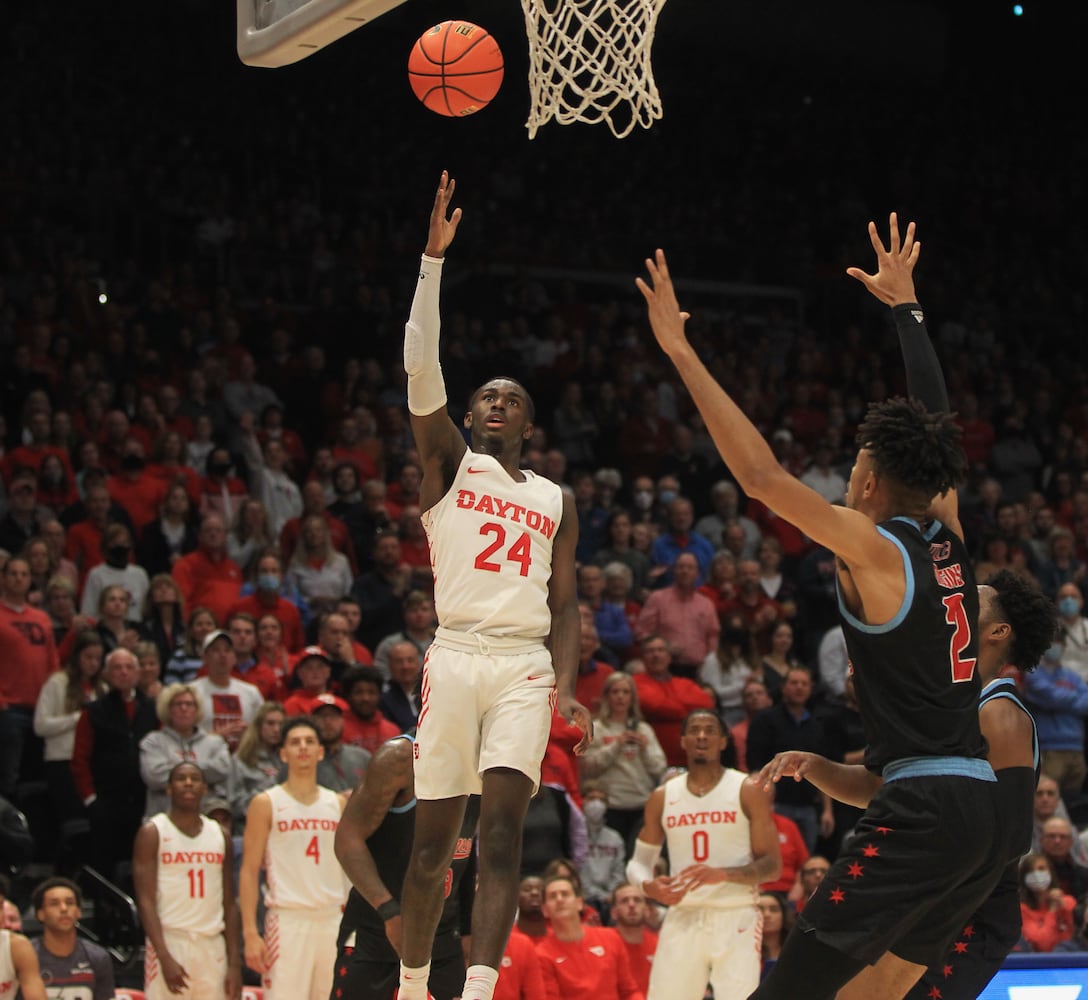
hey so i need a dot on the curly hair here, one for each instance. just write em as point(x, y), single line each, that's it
point(918, 450)
point(1031, 614)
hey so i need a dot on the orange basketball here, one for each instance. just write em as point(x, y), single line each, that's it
point(455, 68)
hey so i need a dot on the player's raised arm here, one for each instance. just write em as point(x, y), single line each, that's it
point(437, 438)
point(851, 535)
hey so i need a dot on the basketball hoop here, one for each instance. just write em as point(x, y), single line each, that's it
point(589, 61)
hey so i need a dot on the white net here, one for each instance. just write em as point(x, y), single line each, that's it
point(589, 61)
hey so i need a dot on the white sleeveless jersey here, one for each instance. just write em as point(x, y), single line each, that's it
point(709, 829)
point(189, 895)
point(8, 983)
point(300, 860)
point(491, 550)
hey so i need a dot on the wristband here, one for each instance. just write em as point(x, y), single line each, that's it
point(389, 909)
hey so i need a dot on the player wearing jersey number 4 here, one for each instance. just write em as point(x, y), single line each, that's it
point(291, 833)
point(182, 867)
point(722, 845)
point(927, 850)
point(502, 546)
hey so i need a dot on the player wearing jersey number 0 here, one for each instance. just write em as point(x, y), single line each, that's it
point(502, 544)
point(722, 845)
point(291, 834)
point(182, 867)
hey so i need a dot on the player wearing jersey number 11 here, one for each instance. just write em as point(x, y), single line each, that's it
point(502, 544)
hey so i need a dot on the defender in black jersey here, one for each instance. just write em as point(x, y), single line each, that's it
point(1016, 625)
point(905, 585)
point(373, 845)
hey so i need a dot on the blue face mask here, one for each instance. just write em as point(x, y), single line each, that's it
point(1068, 607)
point(1054, 654)
point(268, 581)
point(667, 496)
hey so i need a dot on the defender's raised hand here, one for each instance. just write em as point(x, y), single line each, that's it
point(442, 229)
point(893, 282)
point(666, 318)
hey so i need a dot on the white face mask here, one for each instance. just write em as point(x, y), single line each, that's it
point(595, 810)
point(1037, 881)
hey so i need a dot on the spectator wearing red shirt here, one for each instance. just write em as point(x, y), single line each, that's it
point(760, 611)
point(168, 463)
point(414, 550)
point(364, 724)
point(169, 400)
point(266, 599)
point(208, 577)
point(272, 429)
point(116, 431)
point(665, 699)
point(794, 851)
point(754, 698)
point(28, 657)
point(312, 670)
point(335, 639)
point(271, 649)
point(520, 976)
point(592, 673)
point(358, 446)
point(629, 913)
point(405, 491)
point(31, 454)
point(683, 616)
point(84, 544)
point(793, 540)
point(313, 502)
point(579, 962)
point(135, 488)
point(247, 666)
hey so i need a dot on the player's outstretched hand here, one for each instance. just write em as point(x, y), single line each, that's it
point(578, 715)
point(893, 282)
point(794, 764)
point(442, 229)
point(700, 874)
point(666, 318)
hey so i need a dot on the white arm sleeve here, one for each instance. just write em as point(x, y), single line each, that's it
point(641, 866)
point(426, 389)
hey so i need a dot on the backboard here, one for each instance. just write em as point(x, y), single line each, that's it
point(280, 32)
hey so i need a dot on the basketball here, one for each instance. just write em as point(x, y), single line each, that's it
point(455, 68)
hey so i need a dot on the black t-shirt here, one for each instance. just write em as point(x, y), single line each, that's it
point(86, 974)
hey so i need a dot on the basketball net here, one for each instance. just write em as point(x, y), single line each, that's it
point(589, 61)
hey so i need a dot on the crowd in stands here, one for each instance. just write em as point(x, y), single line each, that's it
point(209, 495)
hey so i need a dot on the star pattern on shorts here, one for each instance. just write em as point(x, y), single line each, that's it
point(946, 971)
point(968, 931)
point(837, 895)
point(960, 947)
point(871, 850)
point(934, 993)
point(855, 870)
point(884, 830)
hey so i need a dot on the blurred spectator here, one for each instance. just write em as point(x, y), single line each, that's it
point(684, 617)
point(344, 765)
point(231, 703)
point(721, 580)
point(629, 920)
point(321, 574)
point(592, 673)
point(181, 739)
point(1070, 601)
point(813, 872)
point(1063, 565)
point(727, 669)
point(313, 669)
point(135, 488)
point(679, 538)
point(116, 570)
point(775, 665)
point(364, 724)
point(665, 699)
point(250, 536)
point(247, 666)
point(777, 923)
point(822, 477)
point(754, 699)
point(25, 516)
point(606, 853)
point(776, 584)
point(269, 479)
point(381, 590)
point(619, 548)
point(172, 535)
point(609, 619)
point(760, 611)
point(1058, 699)
point(725, 500)
point(208, 577)
point(265, 597)
point(271, 649)
point(419, 625)
point(222, 493)
point(163, 618)
point(27, 658)
point(1057, 840)
point(256, 765)
point(1046, 911)
point(400, 702)
point(335, 626)
point(149, 680)
point(625, 758)
point(415, 551)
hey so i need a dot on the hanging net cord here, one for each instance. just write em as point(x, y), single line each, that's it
point(589, 61)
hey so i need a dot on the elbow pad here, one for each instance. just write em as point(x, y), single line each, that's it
point(426, 388)
point(641, 866)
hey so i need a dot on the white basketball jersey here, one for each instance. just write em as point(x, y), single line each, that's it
point(491, 550)
point(189, 896)
point(300, 860)
point(8, 983)
point(709, 829)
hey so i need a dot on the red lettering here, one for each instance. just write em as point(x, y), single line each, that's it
point(466, 499)
point(949, 577)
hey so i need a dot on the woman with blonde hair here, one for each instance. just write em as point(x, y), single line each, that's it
point(56, 714)
point(625, 756)
point(180, 708)
point(164, 617)
point(321, 574)
point(256, 766)
point(149, 679)
point(249, 535)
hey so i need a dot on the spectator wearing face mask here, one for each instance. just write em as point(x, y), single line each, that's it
point(136, 489)
point(1046, 911)
point(116, 569)
point(1070, 602)
point(1058, 699)
point(606, 853)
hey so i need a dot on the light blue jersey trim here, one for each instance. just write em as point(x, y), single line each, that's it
point(908, 593)
point(930, 533)
point(925, 767)
point(1002, 687)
